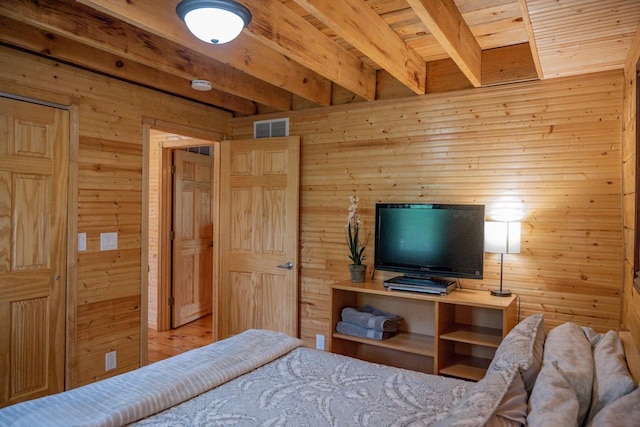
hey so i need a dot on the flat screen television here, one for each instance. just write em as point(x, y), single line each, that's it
point(430, 240)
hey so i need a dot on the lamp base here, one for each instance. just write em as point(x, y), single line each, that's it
point(500, 293)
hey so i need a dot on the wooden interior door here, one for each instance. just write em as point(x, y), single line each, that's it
point(34, 145)
point(192, 278)
point(259, 216)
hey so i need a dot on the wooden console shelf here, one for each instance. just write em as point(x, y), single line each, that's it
point(456, 334)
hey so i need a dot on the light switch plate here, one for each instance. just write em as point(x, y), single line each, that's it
point(82, 242)
point(108, 241)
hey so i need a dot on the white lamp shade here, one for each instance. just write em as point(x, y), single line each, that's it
point(214, 21)
point(502, 237)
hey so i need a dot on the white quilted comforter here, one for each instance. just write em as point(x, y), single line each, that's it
point(255, 378)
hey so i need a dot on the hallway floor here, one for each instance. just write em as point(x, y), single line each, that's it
point(163, 345)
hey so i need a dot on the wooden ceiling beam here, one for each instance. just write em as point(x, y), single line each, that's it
point(88, 26)
point(61, 48)
point(244, 53)
point(361, 26)
point(526, 20)
point(445, 22)
point(282, 29)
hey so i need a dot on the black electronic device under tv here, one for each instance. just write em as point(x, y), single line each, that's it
point(430, 241)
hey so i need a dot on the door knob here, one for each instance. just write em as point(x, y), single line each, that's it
point(288, 265)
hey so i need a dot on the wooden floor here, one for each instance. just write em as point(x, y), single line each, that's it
point(175, 341)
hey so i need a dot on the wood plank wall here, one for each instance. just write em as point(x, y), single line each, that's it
point(107, 292)
point(631, 297)
point(550, 151)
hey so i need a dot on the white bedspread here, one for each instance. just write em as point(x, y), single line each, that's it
point(313, 388)
point(257, 378)
point(135, 395)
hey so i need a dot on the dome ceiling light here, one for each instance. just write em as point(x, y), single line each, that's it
point(214, 21)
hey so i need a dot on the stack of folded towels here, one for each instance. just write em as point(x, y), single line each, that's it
point(368, 322)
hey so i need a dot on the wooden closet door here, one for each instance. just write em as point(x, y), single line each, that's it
point(34, 143)
point(259, 219)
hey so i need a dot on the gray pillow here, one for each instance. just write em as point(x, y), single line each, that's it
point(512, 410)
point(498, 399)
point(553, 401)
point(522, 348)
point(621, 413)
point(569, 349)
point(612, 379)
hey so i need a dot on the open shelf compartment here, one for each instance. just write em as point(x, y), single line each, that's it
point(473, 334)
point(468, 367)
point(403, 341)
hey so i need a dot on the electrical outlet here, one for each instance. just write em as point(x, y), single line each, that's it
point(320, 342)
point(110, 361)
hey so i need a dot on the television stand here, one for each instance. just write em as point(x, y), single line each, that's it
point(420, 284)
point(454, 335)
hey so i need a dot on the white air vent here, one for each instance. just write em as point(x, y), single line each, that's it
point(271, 128)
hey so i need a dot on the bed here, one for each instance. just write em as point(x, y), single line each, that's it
point(570, 376)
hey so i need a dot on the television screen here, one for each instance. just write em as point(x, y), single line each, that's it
point(430, 240)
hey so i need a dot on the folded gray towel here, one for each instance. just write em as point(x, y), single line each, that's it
point(371, 318)
point(359, 331)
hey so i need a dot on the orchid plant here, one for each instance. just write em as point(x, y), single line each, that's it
point(356, 248)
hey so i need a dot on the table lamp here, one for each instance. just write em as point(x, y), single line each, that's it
point(501, 238)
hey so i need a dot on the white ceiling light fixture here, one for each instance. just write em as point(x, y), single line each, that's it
point(214, 21)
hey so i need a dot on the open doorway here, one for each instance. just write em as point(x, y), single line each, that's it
point(182, 229)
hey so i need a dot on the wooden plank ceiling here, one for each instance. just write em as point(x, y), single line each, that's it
point(299, 54)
